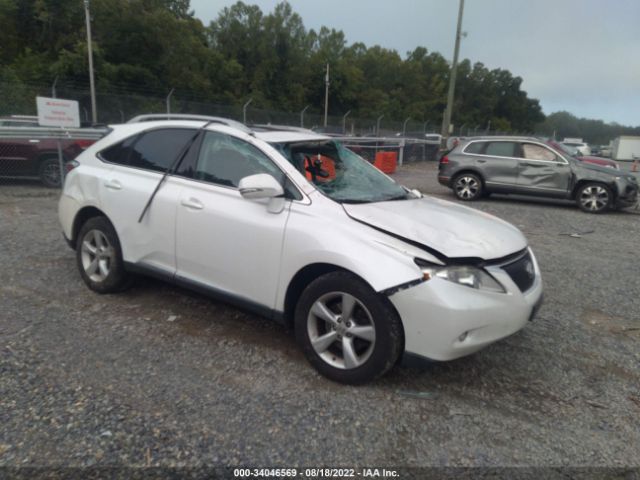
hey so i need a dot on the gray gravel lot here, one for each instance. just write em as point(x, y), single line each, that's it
point(110, 380)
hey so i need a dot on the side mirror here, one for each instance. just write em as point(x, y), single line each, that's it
point(261, 185)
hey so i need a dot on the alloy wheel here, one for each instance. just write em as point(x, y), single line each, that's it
point(98, 255)
point(467, 187)
point(341, 330)
point(594, 198)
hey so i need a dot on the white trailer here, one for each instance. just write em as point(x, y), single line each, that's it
point(626, 148)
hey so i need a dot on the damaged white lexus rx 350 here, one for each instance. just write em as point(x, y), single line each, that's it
point(293, 226)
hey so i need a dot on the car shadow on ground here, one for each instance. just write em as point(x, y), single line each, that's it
point(181, 312)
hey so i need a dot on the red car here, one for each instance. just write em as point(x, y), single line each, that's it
point(35, 158)
point(603, 162)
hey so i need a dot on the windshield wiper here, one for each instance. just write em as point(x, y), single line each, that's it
point(404, 196)
point(175, 164)
point(353, 201)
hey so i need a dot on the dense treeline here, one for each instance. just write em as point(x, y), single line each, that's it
point(147, 47)
point(596, 132)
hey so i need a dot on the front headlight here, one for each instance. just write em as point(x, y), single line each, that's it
point(468, 276)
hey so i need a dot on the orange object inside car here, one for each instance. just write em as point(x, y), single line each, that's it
point(327, 165)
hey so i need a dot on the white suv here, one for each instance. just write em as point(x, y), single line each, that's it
point(293, 226)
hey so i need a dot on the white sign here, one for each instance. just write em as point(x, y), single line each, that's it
point(57, 112)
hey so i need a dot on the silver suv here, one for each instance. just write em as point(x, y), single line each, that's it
point(529, 166)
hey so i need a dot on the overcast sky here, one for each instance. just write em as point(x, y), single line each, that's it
point(582, 56)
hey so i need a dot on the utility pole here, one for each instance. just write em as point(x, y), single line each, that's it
point(92, 86)
point(326, 95)
point(446, 121)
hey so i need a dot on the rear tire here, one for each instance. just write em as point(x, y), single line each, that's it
point(99, 257)
point(347, 331)
point(468, 187)
point(594, 197)
point(49, 172)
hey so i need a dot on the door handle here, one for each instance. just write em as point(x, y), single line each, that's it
point(192, 203)
point(482, 161)
point(113, 185)
point(34, 140)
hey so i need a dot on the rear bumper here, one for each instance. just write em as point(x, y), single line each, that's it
point(444, 180)
point(444, 321)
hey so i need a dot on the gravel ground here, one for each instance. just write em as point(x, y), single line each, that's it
point(162, 376)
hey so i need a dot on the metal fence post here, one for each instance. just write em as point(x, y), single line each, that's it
point(244, 111)
point(169, 102)
point(344, 122)
point(302, 116)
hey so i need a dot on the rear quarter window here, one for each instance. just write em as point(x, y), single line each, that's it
point(120, 152)
point(475, 147)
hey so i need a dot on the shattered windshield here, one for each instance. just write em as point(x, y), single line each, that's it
point(341, 174)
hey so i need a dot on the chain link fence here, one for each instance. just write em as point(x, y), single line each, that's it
point(37, 155)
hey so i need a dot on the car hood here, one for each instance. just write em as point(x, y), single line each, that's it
point(452, 230)
point(598, 160)
point(594, 167)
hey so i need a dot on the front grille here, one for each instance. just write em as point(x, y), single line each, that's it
point(522, 272)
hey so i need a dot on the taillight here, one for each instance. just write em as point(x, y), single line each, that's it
point(83, 144)
point(444, 160)
point(71, 165)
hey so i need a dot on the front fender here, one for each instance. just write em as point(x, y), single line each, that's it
point(382, 261)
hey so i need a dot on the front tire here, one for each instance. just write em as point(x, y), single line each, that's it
point(99, 257)
point(594, 198)
point(347, 331)
point(468, 187)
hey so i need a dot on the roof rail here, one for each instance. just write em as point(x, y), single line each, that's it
point(279, 128)
point(149, 117)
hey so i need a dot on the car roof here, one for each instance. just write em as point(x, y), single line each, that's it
point(504, 138)
point(290, 137)
point(269, 134)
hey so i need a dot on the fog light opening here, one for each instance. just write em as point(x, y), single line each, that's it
point(463, 337)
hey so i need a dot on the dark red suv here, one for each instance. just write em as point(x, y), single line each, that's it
point(37, 157)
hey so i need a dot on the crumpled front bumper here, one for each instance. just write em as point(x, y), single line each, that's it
point(444, 320)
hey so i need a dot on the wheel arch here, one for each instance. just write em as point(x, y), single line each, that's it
point(48, 154)
point(84, 214)
point(583, 181)
point(300, 281)
point(308, 274)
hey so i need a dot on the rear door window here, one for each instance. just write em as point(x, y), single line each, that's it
point(502, 149)
point(158, 149)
